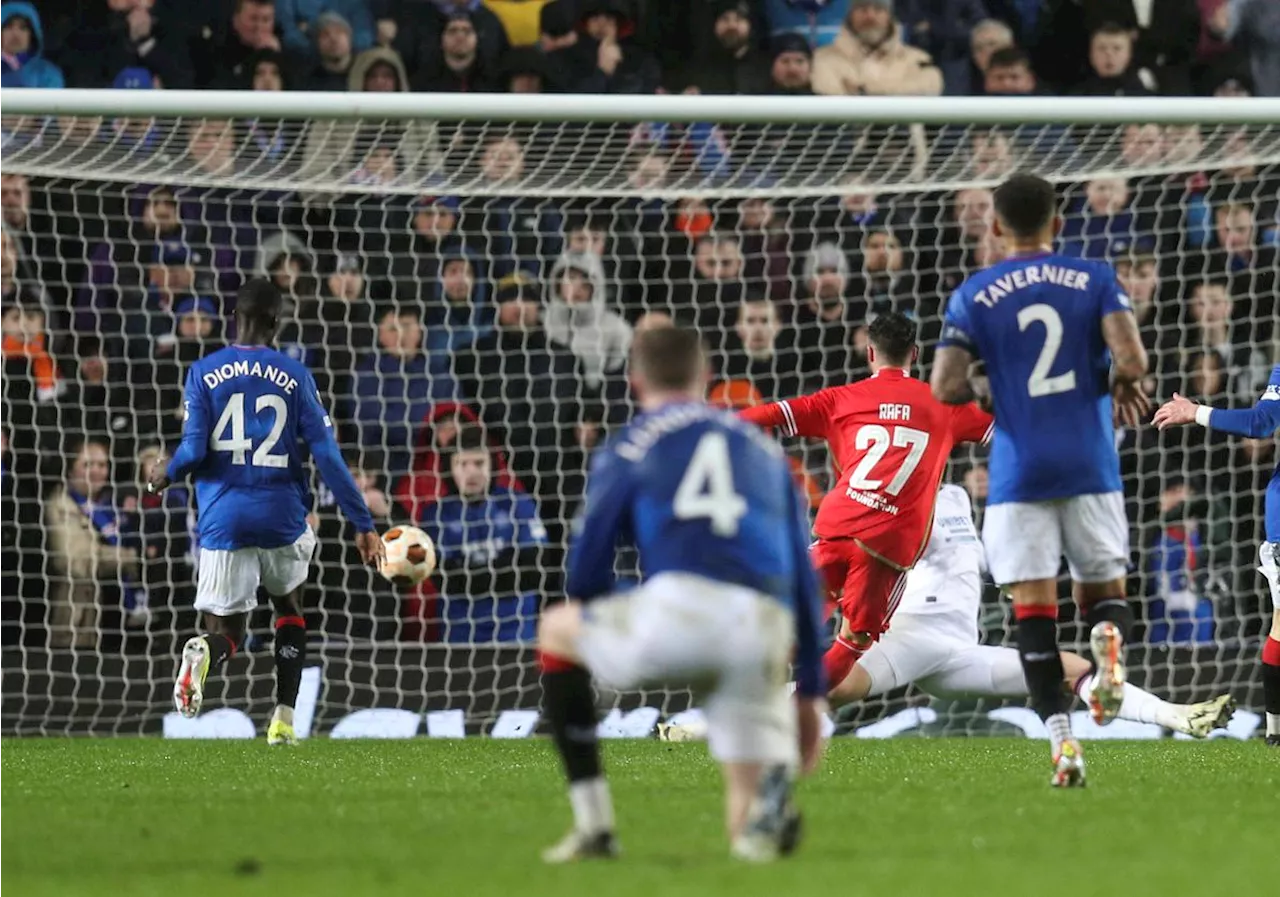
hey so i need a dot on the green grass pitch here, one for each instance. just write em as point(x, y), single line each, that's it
point(947, 817)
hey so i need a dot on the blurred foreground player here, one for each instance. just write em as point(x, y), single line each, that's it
point(1052, 331)
point(890, 439)
point(253, 415)
point(1258, 422)
point(710, 506)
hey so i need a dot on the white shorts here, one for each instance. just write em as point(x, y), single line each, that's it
point(928, 651)
point(731, 644)
point(227, 581)
point(1027, 540)
point(1269, 566)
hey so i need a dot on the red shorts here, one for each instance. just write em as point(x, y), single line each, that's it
point(869, 589)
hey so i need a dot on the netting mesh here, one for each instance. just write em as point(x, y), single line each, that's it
point(492, 274)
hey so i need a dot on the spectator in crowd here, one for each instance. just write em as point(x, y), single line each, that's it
point(460, 314)
point(289, 263)
point(395, 385)
point(517, 231)
point(868, 57)
point(1211, 326)
point(761, 353)
point(817, 21)
point(606, 58)
point(956, 34)
point(1098, 220)
point(98, 399)
point(823, 316)
point(41, 256)
point(266, 72)
point(578, 322)
point(109, 37)
point(427, 480)
point(458, 66)
point(489, 541)
point(764, 241)
point(1009, 73)
point(733, 64)
point(521, 19)
point(1178, 612)
point(1112, 64)
point(22, 41)
point(93, 549)
point(414, 253)
point(1138, 275)
point(419, 24)
point(972, 211)
point(334, 54)
point(707, 297)
point(25, 341)
point(527, 70)
point(1254, 26)
point(884, 284)
point(164, 539)
point(17, 285)
point(301, 21)
point(792, 68)
point(222, 51)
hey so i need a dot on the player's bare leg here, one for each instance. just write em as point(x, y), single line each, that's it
point(855, 687)
point(570, 708)
point(1139, 705)
point(203, 653)
point(1035, 608)
point(1106, 610)
point(290, 656)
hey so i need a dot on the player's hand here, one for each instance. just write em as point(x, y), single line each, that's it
point(371, 549)
point(1178, 410)
point(809, 713)
point(155, 476)
point(1129, 404)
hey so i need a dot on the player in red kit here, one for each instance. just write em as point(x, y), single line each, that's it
point(890, 439)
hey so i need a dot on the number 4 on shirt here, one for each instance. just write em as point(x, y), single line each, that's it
point(706, 489)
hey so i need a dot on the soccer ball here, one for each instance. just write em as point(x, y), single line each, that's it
point(411, 556)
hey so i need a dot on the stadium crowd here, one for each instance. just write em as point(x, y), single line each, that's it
point(473, 348)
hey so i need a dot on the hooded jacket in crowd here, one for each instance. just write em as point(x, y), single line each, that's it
point(597, 337)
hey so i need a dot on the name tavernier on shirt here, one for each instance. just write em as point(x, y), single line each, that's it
point(1021, 278)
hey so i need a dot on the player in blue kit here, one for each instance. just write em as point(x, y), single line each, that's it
point(1258, 422)
point(1062, 352)
point(253, 416)
point(728, 593)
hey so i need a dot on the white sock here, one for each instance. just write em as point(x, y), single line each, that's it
point(1144, 707)
point(592, 805)
point(283, 713)
point(1059, 726)
point(1273, 723)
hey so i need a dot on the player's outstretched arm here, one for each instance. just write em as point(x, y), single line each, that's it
point(811, 687)
point(598, 527)
point(1257, 422)
point(195, 438)
point(803, 416)
point(317, 430)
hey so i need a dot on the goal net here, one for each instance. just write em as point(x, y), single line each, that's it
point(462, 272)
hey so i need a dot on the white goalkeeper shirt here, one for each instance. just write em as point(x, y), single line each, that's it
point(948, 578)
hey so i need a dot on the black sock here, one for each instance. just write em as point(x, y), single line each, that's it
point(221, 649)
point(291, 654)
point(1041, 663)
point(571, 709)
point(1112, 610)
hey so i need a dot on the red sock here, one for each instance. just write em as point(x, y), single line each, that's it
point(838, 662)
point(1271, 652)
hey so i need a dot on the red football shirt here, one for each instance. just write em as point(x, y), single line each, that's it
point(890, 439)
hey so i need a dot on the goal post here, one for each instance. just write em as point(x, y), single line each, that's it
point(460, 261)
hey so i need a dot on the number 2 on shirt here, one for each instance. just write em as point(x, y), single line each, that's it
point(1040, 383)
point(232, 419)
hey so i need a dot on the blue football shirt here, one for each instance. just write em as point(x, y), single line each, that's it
point(697, 490)
point(1258, 422)
point(253, 420)
point(1036, 323)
